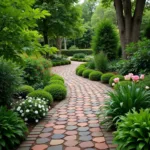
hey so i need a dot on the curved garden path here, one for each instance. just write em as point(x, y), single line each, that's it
point(72, 124)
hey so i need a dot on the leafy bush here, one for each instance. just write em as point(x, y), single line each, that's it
point(58, 92)
point(101, 62)
point(32, 109)
point(43, 95)
point(82, 66)
point(124, 99)
point(10, 80)
point(91, 64)
point(80, 59)
point(56, 77)
point(56, 82)
point(24, 90)
point(86, 73)
point(12, 129)
point(134, 128)
point(145, 83)
point(36, 71)
point(80, 71)
point(147, 32)
point(60, 62)
point(111, 80)
point(73, 47)
point(72, 52)
point(105, 39)
point(79, 55)
point(95, 75)
point(106, 77)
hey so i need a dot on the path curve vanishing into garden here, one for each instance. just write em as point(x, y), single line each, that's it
point(73, 124)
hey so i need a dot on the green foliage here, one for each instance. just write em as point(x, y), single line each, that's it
point(111, 80)
point(79, 55)
point(32, 109)
point(72, 52)
point(95, 75)
point(56, 82)
point(82, 66)
point(124, 99)
point(12, 129)
point(17, 20)
point(105, 39)
point(91, 64)
point(101, 61)
point(133, 131)
point(58, 91)
point(122, 83)
point(60, 62)
point(80, 71)
point(73, 47)
point(57, 77)
point(36, 71)
point(80, 59)
point(106, 77)
point(147, 32)
point(10, 80)
point(24, 90)
point(86, 73)
point(43, 95)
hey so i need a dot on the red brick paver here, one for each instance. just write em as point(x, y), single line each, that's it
point(73, 123)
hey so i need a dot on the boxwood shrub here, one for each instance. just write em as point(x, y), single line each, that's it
point(106, 77)
point(43, 95)
point(80, 71)
point(56, 82)
point(12, 129)
point(95, 75)
point(86, 73)
point(111, 80)
point(58, 91)
point(56, 77)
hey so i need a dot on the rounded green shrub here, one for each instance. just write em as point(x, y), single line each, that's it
point(24, 90)
point(56, 82)
point(121, 78)
point(95, 75)
point(10, 80)
point(12, 129)
point(106, 77)
point(86, 73)
point(42, 94)
point(58, 91)
point(57, 77)
point(80, 71)
point(79, 55)
point(32, 109)
point(134, 129)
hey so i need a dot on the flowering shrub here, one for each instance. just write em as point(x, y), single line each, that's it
point(32, 109)
point(114, 79)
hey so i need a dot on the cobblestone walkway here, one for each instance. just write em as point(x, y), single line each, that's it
point(72, 124)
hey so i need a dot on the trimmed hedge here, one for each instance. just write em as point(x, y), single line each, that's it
point(79, 59)
point(106, 77)
point(56, 77)
point(95, 75)
point(86, 73)
point(56, 82)
point(42, 94)
point(61, 62)
point(72, 52)
point(80, 71)
point(58, 91)
point(121, 78)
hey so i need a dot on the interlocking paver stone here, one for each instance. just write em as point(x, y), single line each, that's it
point(73, 123)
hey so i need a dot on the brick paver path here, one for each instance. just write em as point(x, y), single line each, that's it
point(73, 124)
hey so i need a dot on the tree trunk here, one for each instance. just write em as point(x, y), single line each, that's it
point(65, 43)
point(59, 43)
point(129, 26)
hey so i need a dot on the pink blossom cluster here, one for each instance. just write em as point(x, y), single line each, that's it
point(133, 77)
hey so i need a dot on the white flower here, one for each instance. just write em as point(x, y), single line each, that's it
point(36, 112)
point(36, 120)
point(18, 109)
point(49, 107)
point(27, 110)
point(147, 87)
point(43, 114)
point(20, 97)
point(39, 106)
point(22, 114)
point(21, 111)
point(113, 84)
point(30, 105)
point(29, 100)
point(46, 109)
point(26, 119)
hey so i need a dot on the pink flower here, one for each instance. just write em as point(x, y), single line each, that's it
point(131, 74)
point(135, 78)
point(142, 76)
point(127, 77)
point(116, 80)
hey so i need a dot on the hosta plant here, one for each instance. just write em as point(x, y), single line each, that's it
point(133, 132)
point(12, 129)
point(32, 109)
point(124, 99)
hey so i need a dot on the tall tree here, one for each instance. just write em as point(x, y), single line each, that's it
point(129, 16)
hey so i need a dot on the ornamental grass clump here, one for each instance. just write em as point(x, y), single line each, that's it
point(124, 99)
point(32, 109)
point(133, 132)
